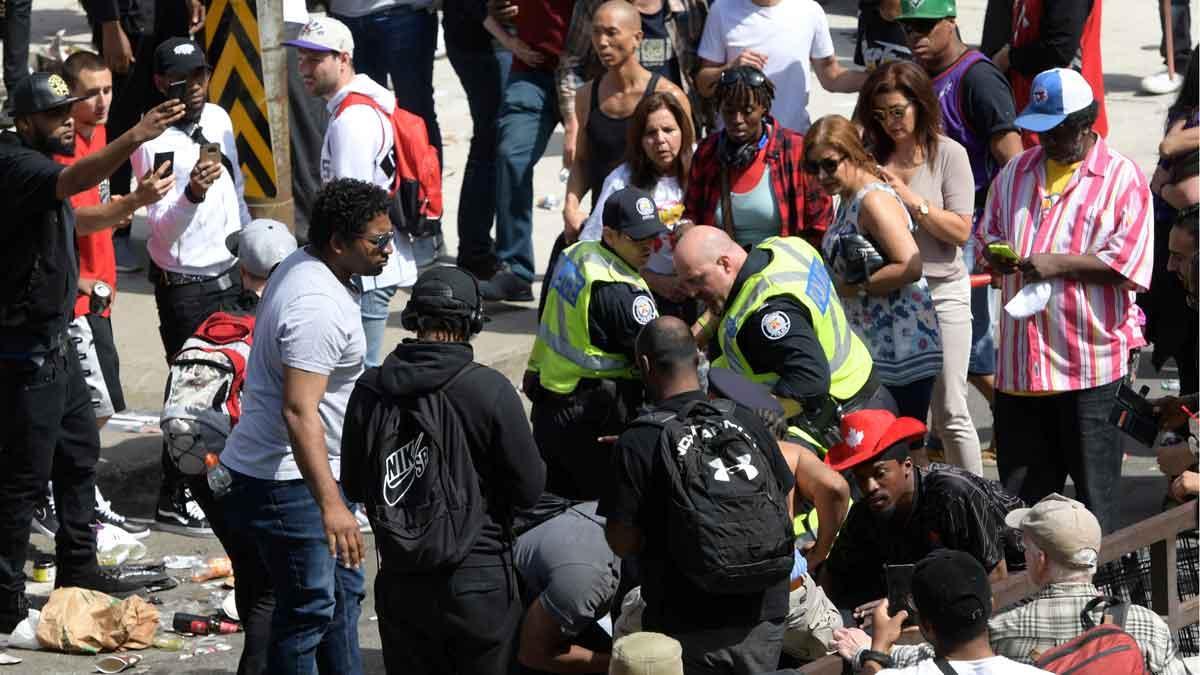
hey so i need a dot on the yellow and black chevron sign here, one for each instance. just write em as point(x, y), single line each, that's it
point(232, 45)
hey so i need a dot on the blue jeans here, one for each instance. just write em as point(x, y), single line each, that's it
point(400, 42)
point(317, 602)
point(483, 75)
point(528, 116)
point(374, 307)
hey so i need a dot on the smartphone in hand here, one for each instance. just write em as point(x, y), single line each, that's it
point(177, 90)
point(899, 590)
point(211, 152)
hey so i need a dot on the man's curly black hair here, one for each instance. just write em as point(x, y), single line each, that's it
point(344, 207)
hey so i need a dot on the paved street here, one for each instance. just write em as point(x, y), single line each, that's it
point(130, 470)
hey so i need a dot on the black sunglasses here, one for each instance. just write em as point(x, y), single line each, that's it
point(895, 112)
point(752, 77)
point(919, 26)
point(379, 241)
point(829, 165)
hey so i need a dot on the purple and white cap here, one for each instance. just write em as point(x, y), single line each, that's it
point(1055, 93)
point(324, 34)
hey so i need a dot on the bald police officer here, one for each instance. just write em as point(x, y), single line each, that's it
point(581, 376)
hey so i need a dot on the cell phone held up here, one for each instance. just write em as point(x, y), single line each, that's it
point(211, 152)
point(1004, 252)
point(899, 591)
point(176, 90)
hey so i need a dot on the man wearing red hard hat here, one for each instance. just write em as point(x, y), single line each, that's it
point(905, 512)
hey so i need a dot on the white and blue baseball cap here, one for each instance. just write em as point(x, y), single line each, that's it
point(1055, 93)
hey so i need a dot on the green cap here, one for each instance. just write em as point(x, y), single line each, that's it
point(926, 9)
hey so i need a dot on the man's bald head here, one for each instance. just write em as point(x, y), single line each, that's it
point(619, 12)
point(707, 260)
point(667, 354)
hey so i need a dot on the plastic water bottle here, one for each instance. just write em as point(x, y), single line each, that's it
point(219, 479)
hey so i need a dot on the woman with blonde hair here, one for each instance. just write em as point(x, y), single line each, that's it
point(876, 264)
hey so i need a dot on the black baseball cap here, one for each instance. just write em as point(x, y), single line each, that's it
point(951, 588)
point(178, 56)
point(444, 291)
point(40, 92)
point(632, 212)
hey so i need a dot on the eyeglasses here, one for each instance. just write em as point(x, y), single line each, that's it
point(752, 77)
point(379, 241)
point(919, 26)
point(829, 165)
point(895, 112)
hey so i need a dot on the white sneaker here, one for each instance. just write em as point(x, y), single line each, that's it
point(1161, 83)
point(107, 516)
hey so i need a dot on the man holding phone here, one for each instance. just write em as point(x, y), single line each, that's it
point(1076, 215)
point(193, 273)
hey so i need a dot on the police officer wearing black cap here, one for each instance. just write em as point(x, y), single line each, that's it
point(581, 376)
point(461, 617)
point(193, 272)
point(47, 428)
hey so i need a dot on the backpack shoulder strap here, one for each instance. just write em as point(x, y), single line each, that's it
point(471, 365)
point(1102, 603)
point(356, 98)
point(944, 666)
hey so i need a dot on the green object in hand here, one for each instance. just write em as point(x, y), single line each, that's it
point(1004, 252)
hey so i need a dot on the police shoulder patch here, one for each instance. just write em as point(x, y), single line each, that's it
point(644, 310)
point(775, 325)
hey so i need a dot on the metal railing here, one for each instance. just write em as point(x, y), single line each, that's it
point(1158, 533)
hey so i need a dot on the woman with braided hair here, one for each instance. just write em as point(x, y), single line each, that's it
point(747, 178)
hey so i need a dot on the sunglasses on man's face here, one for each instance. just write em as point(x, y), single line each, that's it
point(919, 26)
point(379, 241)
point(829, 165)
point(753, 78)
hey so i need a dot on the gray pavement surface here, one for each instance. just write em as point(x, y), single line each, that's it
point(129, 472)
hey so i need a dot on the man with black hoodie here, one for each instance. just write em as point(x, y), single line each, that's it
point(463, 617)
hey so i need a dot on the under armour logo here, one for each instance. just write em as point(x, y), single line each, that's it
point(406, 464)
point(743, 462)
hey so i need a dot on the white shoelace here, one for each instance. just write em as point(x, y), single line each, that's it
point(192, 507)
point(104, 508)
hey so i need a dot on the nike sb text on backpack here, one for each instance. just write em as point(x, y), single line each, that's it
point(422, 490)
point(728, 527)
point(204, 389)
point(416, 189)
point(1099, 650)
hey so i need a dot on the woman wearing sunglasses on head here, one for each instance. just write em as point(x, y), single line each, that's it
point(746, 179)
point(876, 265)
point(931, 174)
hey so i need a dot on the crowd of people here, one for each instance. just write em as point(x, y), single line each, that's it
point(748, 443)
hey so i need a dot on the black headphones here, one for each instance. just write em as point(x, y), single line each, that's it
point(433, 297)
point(740, 156)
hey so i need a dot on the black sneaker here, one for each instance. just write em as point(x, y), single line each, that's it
point(178, 512)
point(107, 581)
point(105, 515)
point(506, 285)
point(483, 267)
point(45, 517)
point(150, 578)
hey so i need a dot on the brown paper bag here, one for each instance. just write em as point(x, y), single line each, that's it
point(76, 620)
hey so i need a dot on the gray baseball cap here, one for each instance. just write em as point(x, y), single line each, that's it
point(1063, 528)
point(261, 245)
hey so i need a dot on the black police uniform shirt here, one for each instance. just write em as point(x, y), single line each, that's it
point(779, 338)
point(952, 508)
point(639, 499)
point(38, 265)
point(616, 315)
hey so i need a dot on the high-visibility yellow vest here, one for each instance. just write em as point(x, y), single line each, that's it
point(797, 271)
point(563, 352)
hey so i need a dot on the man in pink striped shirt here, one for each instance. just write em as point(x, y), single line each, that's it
point(1077, 217)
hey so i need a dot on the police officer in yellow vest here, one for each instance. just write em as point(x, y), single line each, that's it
point(781, 324)
point(581, 376)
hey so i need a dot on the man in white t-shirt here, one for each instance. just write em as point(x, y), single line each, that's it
point(786, 39)
point(284, 455)
point(953, 601)
point(359, 143)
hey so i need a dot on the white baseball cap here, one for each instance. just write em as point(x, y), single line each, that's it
point(324, 34)
point(1055, 93)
